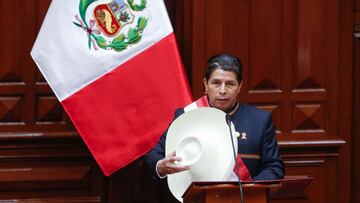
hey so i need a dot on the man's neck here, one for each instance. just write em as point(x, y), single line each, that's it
point(229, 111)
point(232, 110)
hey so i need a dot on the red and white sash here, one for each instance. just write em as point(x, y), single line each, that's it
point(243, 171)
point(201, 102)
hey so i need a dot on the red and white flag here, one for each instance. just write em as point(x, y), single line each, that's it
point(115, 68)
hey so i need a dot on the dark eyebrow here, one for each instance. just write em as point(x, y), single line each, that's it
point(217, 79)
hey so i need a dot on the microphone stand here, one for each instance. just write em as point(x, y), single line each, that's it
point(228, 122)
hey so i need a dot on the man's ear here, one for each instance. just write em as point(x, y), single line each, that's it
point(205, 85)
point(240, 86)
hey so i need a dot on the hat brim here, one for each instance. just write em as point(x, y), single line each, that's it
point(216, 161)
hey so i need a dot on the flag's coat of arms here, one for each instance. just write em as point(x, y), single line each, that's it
point(110, 19)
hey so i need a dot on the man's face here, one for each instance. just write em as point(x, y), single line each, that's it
point(222, 89)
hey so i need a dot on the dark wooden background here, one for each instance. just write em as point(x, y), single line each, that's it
point(301, 63)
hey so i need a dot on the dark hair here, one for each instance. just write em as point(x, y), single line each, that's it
point(226, 62)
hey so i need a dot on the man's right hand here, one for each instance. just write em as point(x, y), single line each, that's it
point(169, 165)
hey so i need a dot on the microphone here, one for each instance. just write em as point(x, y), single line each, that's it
point(228, 122)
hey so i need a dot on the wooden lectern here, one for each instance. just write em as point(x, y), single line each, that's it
point(254, 192)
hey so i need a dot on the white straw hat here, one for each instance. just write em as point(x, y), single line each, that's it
point(202, 138)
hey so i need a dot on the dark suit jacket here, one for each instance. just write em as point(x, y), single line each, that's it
point(259, 151)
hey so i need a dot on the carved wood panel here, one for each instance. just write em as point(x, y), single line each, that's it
point(355, 186)
point(284, 47)
point(26, 101)
point(314, 165)
point(37, 166)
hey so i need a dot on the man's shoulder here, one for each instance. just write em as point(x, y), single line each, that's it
point(251, 110)
point(178, 112)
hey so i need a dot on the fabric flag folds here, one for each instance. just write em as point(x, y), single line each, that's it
point(115, 68)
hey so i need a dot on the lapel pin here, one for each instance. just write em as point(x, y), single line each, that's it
point(243, 136)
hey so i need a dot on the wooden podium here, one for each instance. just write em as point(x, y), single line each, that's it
point(254, 192)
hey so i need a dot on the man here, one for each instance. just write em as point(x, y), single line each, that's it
point(257, 145)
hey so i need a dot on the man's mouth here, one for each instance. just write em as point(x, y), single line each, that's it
point(222, 99)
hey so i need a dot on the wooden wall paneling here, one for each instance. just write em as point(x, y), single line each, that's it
point(216, 25)
point(345, 99)
point(11, 73)
point(37, 167)
point(265, 47)
point(319, 163)
point(310, 76)
point(134, 183)
point(28, 67)
point(355, 150)
point(356, 5)
point(355, 186)
point(183, 32)
point(12, 63)
point(198, 44)
point(288, 60)
point(308, 89)
point(42, 158)
point(27, 103)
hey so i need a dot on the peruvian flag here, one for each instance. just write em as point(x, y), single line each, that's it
point(115, 68)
